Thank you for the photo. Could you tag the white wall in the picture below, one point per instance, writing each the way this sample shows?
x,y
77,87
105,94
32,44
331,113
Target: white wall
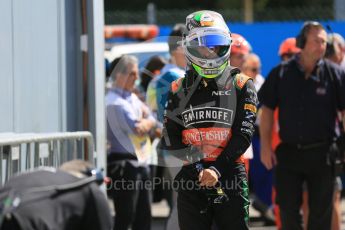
x,y
41,68
6,67
30,66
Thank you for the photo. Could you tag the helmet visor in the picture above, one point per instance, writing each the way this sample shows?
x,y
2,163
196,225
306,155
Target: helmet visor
x,y
209,46
208,53
210,41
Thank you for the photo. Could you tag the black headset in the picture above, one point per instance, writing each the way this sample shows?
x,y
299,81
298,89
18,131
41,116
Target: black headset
x,y
301,38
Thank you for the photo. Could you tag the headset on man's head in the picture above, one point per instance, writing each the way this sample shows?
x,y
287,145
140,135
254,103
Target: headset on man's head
x,y
301,38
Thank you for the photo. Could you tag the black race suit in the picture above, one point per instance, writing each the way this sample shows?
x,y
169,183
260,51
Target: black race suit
x,y
209,123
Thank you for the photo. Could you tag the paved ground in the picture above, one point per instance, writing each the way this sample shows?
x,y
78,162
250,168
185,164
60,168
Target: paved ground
x,y
160,211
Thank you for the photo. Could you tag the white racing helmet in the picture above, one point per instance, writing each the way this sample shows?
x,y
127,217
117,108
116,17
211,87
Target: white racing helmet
x,y
207,44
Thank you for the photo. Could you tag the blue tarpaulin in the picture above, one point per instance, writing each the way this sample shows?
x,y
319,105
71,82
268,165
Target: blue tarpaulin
x,y
265,37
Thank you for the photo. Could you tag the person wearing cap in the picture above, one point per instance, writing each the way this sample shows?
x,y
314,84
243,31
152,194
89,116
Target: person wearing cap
x,y
49,198
208,124
240,48
288,48
260,178
302,88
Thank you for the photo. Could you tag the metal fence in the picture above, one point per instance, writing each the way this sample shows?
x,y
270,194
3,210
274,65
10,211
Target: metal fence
x,y
22,152
170,17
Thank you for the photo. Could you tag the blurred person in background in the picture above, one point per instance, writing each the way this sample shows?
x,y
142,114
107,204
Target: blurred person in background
x,y
47,198
302,89
172,71
151,70
260,179
252,68
240,48
156,98
287,49
335,53
336,49
149,73
129,122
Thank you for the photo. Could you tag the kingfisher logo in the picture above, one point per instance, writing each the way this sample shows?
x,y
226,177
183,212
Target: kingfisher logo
x,y
206,135
221,93
207,114
210,141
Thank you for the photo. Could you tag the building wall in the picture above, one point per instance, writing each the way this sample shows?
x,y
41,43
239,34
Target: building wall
x,y
41,68
38,66
6,66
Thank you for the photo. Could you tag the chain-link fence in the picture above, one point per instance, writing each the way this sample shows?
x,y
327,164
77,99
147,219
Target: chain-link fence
x,y
170,17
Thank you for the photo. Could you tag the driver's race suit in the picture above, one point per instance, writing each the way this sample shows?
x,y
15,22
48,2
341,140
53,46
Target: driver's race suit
x,y
209,123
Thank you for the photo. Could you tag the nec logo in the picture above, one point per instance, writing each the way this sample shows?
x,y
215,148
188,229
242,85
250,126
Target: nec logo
x,y
221,93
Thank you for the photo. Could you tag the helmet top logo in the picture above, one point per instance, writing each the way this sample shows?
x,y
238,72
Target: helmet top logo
x,y
206,20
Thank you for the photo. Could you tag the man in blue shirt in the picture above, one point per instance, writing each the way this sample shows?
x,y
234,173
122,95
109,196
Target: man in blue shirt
x,y
129,122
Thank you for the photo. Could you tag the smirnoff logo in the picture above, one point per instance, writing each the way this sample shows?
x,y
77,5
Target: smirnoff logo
x,y
207,114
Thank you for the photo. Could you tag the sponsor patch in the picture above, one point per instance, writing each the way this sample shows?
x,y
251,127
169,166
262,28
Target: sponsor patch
x,y
250,107
252,97
221,93
207,114
321,91
249,115
248,131
247,124
214,135
176,85
206,20
250,100
241,80
210,141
